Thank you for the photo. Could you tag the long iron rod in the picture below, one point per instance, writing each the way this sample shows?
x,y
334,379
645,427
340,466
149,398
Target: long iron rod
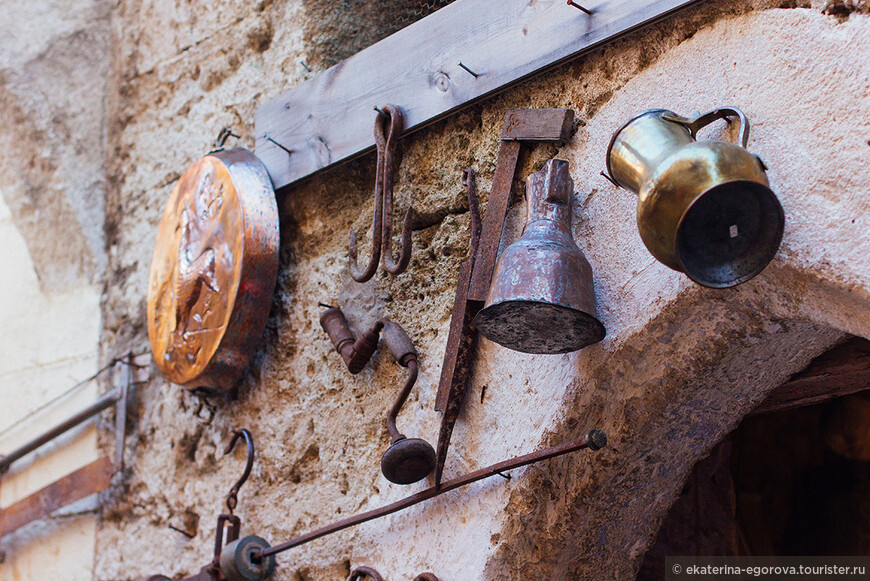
x,y
105,402
594,439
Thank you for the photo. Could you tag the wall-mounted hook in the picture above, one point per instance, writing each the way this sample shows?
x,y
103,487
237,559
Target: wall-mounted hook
x,y
361,573
204,405
232,497
222,137
467,70
388,129
578,7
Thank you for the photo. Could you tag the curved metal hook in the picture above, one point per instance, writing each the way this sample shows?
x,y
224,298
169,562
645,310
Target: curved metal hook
x,y
363,572
204,404
389,168
378,218
232,497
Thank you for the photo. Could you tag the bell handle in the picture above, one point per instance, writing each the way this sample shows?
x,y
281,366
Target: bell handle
x,y
726,113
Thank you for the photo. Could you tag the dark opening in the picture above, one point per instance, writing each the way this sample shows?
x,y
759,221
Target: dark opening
x,y
790,482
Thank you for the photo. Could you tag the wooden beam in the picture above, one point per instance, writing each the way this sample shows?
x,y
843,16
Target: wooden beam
x,y
843,370
95,477
329,118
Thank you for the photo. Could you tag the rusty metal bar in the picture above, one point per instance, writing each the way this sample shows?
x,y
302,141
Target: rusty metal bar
x,y
475,275
117,396
95,477
595,440
103,403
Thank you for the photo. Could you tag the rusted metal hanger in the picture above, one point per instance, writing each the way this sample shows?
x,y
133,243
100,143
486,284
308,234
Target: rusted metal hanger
x,y
361,573
232,497
388,129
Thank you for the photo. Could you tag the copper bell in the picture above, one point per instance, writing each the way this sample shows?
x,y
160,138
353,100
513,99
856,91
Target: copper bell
x,y
541,299
704,208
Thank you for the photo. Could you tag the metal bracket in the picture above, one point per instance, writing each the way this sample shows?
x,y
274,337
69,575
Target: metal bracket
x,y
475,275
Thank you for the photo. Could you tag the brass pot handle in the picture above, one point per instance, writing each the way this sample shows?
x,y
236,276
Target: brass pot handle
x,y
726,113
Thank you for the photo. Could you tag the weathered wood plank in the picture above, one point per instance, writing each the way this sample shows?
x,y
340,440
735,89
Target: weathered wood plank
x,y
329,118
95,477
840,371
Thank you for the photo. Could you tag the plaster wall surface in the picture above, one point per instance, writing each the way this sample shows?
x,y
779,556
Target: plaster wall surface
x,y
54,62
678,369
49,341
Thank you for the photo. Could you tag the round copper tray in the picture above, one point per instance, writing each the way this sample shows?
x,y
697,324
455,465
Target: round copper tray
x,y
214,270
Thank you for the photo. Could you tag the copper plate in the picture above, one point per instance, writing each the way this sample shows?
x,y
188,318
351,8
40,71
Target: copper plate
x,y
214,270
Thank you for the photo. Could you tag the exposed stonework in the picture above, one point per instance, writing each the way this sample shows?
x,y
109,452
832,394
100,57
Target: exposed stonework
x,y
334,31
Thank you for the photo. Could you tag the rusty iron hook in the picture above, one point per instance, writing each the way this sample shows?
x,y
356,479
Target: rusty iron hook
x,y
232,497
390,162
204,404
363,572
387,130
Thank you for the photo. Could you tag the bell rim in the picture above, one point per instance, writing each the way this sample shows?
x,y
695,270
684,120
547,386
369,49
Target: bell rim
x,y
599,331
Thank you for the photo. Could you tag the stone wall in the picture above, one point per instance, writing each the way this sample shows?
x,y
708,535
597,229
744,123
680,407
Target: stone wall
x,y
680,365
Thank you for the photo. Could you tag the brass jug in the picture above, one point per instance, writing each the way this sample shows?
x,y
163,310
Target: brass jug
x,y
541,299
705,208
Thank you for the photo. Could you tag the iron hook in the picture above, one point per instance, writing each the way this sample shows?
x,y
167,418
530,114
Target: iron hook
x,y
389,167
204,404
363,572
232,497
225,133
377,220
387,130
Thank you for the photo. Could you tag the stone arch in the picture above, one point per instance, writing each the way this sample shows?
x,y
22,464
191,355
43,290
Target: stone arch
x,y
682,364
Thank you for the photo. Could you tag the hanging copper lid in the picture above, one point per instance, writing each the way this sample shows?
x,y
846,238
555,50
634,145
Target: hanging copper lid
x,y
214,270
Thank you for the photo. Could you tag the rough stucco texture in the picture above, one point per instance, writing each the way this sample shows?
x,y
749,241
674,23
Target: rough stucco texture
x,y
54,70
679,367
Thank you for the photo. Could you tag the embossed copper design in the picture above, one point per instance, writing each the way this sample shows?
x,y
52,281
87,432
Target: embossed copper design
x,y
214,270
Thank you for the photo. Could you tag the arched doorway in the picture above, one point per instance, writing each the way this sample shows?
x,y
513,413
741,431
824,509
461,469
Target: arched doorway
x,y
792,479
